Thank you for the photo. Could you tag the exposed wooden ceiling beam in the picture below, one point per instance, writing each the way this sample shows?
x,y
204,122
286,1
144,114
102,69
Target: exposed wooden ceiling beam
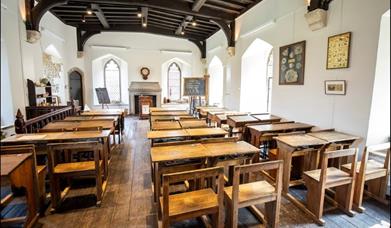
x,y
100,15
197,5
174,6
182,26
144,16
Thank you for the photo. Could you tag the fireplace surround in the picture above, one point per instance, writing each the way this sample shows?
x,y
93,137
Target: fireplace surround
x,y
145,89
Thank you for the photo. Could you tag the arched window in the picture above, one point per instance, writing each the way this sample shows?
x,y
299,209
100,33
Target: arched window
x,y
174,77
269,78
112,80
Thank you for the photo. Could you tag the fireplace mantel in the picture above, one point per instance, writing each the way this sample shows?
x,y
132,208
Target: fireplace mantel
x,y
144,88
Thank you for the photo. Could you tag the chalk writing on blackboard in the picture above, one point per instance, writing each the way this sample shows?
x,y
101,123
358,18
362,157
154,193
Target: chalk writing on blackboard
x,y
103,95
194,87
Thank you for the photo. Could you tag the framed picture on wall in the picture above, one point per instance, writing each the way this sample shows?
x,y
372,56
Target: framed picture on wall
x,y
338,51
292,63
335,87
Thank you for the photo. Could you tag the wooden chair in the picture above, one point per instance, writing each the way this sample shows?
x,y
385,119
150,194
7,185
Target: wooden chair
x,y
317,181
257,192
373,174
59,170
203,201
40,169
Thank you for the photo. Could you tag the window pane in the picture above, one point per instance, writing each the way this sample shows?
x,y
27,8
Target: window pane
x,y
174,82
112,81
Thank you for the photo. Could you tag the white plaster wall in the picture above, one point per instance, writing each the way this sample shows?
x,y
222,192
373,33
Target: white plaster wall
x,y
379,122
144,51
25,59
308,103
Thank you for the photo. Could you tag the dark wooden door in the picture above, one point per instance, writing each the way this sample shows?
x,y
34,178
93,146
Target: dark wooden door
x,y
76,87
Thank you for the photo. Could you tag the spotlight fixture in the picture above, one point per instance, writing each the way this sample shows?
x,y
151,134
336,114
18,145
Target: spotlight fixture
x,y
139,14
89,11
183,33
194,22
144,24
83,19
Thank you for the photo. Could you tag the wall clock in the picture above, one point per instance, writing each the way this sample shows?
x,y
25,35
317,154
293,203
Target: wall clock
x,y
145,72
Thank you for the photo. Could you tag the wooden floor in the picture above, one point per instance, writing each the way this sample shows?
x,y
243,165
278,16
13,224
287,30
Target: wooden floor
x,y
128,199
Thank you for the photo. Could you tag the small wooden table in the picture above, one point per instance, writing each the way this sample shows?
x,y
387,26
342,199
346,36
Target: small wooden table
x,y
289,144
120,113
166,109
45,138
335,136
165,125
193,124
220,118
240,121
19,170
267,117
203,112
185,133
256,131
170,113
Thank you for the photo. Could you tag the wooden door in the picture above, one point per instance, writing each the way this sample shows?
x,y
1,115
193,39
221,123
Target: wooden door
x,y
76,87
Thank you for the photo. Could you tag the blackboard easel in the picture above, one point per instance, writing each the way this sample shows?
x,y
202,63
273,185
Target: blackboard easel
x,y
103,97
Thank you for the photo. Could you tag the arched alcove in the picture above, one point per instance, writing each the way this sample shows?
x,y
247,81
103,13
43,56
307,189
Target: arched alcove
x,y
256,83
111,72
216,81
54,71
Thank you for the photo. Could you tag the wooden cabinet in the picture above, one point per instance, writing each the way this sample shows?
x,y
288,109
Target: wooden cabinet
x,y
40,95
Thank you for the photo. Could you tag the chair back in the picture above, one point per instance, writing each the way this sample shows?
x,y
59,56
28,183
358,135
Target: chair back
x,y
51,130
326,155
376,150
99,128
258,168
201,176
94,146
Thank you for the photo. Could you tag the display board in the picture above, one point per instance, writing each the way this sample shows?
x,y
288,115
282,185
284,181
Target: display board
x,y
194,87
103,96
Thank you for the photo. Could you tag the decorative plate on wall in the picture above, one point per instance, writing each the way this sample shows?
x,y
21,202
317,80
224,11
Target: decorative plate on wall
x,y
292,61
145,72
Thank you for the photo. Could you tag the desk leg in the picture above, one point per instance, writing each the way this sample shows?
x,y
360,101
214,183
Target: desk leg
x,y
285,154
106,151
231,129
156,184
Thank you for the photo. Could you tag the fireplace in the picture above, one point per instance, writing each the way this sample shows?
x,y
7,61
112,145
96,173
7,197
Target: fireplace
x,y
137,89
136,102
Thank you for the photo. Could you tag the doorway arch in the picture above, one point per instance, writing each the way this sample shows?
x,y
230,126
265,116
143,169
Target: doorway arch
x,y
255,90
75,76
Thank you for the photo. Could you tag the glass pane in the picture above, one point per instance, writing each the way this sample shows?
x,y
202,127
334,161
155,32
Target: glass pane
x,y
112,81
174,82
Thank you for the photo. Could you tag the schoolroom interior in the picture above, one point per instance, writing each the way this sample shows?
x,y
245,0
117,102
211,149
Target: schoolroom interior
x,y
195,113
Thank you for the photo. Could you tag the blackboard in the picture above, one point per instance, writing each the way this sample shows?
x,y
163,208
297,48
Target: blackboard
x,y
194,87
103,96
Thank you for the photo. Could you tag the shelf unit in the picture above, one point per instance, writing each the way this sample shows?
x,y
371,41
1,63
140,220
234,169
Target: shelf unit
x,y
39,94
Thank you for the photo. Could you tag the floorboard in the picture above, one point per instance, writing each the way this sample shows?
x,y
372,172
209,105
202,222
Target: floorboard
x,y
128,201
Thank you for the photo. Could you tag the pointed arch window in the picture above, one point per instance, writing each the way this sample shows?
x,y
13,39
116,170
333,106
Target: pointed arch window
x,y
174,79
112,80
